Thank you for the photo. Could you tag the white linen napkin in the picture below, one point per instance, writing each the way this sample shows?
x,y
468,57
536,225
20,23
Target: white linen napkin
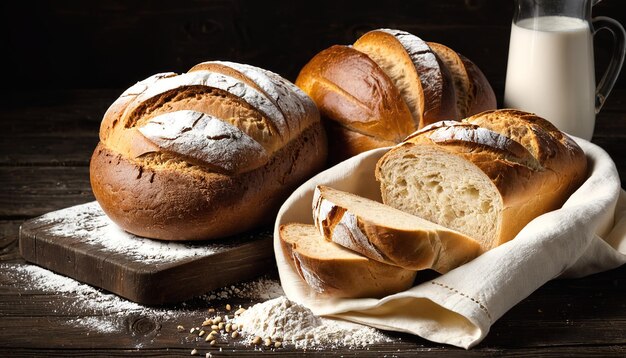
x,y
587,235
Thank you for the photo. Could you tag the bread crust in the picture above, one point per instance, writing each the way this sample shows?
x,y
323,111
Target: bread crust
x,y
421,247
348,87
345,143
343,277
482,97
474,93
174,201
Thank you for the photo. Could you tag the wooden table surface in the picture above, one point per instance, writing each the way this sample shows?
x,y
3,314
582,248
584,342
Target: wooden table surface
x,y
45,145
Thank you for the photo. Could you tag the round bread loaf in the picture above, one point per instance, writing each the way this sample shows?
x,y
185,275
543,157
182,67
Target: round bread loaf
x,y
205,154
387,85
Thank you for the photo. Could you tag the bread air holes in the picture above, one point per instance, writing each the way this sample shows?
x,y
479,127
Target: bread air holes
x,y
486,207
470,192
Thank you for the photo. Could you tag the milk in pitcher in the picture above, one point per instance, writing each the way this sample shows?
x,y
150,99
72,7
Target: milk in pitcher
x,y
550,71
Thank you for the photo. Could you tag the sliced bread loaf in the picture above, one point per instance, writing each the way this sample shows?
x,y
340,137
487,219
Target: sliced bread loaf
x,y
333,270
389,235
487,176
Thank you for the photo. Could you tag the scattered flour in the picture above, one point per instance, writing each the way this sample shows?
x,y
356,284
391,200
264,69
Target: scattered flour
x,y
111,310
298,326
261,289
278,317
100,324
88,224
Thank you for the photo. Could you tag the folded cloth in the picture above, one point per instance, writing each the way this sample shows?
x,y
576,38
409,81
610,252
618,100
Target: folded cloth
x,y
587,235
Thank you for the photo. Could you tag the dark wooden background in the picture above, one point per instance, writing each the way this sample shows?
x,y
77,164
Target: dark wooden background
x,y
114,43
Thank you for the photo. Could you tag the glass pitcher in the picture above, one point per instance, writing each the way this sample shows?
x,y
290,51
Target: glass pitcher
x,y
550,67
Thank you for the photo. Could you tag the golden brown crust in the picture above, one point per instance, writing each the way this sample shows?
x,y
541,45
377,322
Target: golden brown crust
x,y
374,235
344,276
460,79
348,87
481,95
169,200
473,91
386,86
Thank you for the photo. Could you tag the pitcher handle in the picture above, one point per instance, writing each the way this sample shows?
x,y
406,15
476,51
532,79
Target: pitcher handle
x,y
617,58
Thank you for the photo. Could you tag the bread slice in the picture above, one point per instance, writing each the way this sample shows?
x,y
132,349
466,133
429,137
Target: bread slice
x,y
486,177
473,92
332,270
389,235
424,82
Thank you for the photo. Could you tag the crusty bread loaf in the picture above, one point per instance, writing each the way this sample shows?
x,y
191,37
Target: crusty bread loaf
x,y
205,154
389,235
387,85
332,270
487,176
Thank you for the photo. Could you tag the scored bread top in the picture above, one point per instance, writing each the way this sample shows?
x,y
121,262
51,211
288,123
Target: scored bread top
x,y
555,151
251,109
428,82
355,92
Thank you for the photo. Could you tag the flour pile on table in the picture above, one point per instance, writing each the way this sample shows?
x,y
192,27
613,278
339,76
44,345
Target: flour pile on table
x,y
296,325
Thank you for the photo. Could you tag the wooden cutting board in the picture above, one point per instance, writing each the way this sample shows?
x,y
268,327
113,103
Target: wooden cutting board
x,y
81,242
